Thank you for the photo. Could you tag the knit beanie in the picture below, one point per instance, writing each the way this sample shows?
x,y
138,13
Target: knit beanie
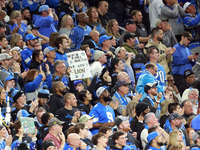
x,y
44,92
15,94
140,107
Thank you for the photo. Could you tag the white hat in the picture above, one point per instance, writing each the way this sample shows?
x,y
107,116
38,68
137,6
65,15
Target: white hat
x,y
100,90
186,5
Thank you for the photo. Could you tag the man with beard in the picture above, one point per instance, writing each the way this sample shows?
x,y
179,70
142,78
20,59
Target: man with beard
x,y
123,124
154,141
50,55
150,99
165,53
102,112
26,16
122,88
69,113
77,34
182,59
26,54
56,100
137,123
175,123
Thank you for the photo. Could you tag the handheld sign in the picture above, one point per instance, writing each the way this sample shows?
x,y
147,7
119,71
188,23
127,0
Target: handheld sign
x,y
79,65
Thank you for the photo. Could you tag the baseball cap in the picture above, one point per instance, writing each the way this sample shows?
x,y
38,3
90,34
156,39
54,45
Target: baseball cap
x,y
43,8
160,20
103,38
100,90
10,78
130,21
85,118
120,83
128,36
148,86
174,116
152,136
120,119
98,54
185,6
48,49
195,136
22,113
30,37
31,27
4,56
187,73
54,121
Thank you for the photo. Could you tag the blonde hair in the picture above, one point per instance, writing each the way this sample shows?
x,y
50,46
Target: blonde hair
x,y
109,26
14,39
130,108
15,50
164,107
173,136
14,15
64,21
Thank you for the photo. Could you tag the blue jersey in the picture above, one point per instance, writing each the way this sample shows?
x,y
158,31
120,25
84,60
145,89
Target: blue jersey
x,y
31,4
102,114
77,35
160,76
26,56
195,123
62,57
22,29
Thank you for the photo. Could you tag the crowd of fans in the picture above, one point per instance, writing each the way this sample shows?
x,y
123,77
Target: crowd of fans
x,y
144,61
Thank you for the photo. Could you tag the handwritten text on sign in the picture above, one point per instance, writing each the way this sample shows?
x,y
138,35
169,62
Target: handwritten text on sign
x,y
79,65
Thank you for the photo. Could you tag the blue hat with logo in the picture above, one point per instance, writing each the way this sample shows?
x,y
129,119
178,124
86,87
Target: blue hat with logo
x,y
22,113
48,49
10,78
103,38
30,37
43,8
152,136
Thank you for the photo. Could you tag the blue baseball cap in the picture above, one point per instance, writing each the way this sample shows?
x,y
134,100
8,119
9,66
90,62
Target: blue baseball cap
x,y
22,113
152,136
43,8
30,37
103,38
77,82
10,78
48,49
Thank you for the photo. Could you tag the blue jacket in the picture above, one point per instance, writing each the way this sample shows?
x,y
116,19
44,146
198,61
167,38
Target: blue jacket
x,y
16,4
26,56
180,61
145,78
31,4
195,123
32,86
21,31
46,24
52,3
77,34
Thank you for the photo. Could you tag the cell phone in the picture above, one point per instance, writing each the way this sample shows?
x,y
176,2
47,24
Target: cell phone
x,y
196,53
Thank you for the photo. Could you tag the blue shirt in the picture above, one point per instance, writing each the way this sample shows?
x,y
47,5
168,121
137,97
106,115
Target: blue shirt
x,y
77,34
195,123
102,114
180,61
22,29
26,56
